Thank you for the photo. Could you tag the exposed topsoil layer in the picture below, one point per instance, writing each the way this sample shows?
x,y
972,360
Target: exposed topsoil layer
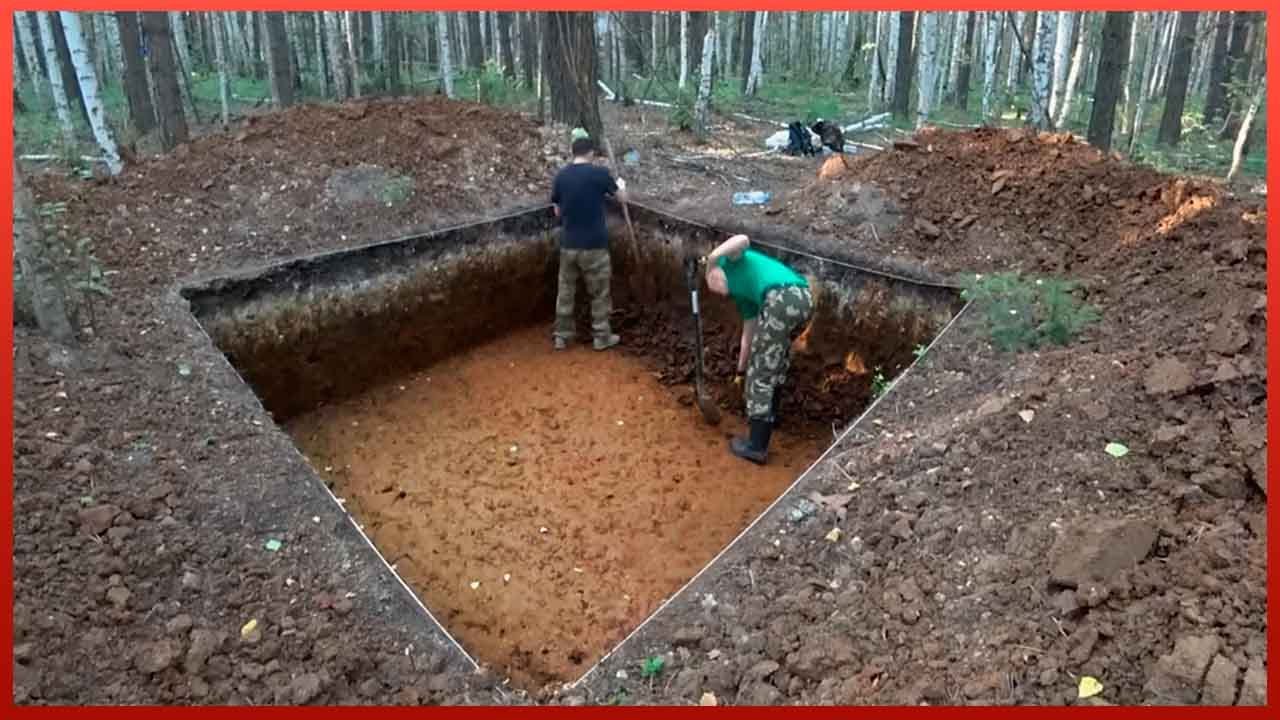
x,y
139,524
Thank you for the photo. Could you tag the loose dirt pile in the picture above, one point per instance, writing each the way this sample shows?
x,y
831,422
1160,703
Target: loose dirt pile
x,y
992,552
982,557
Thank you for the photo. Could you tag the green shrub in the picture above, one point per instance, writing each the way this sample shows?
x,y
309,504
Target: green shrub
x,y
1024,314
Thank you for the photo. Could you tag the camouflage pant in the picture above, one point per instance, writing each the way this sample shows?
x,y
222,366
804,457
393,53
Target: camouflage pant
x,y
595,268
784,310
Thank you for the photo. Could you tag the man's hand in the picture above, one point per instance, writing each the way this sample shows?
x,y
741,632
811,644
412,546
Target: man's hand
x,y
737,380
622,184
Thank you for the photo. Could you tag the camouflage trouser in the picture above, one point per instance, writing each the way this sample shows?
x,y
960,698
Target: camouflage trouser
x,y
784,310
595,268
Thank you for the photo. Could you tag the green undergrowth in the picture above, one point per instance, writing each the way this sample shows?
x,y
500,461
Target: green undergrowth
x,y
1024,314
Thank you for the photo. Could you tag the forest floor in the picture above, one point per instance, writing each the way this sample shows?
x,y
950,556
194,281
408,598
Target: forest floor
x,y
991,551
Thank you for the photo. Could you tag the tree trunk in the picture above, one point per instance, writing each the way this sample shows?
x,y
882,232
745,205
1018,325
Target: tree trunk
x,y
757,69
573,70
1042,71
1179,73
138,95
26,38
1239,65
446,53
653,53
1140,96
747,48
353,54
333,41
684,48
990,51
877,61
1028,33
164,72
1061,62
224,83
1242,136
966,62
280,74
901,102
1163,49
504,40
928,67
75,102
702,107
1073,75
528,44
392,41
475,44
1015,45
321,66
1126,118
88,80
179,25
54,73
1116,34
35,256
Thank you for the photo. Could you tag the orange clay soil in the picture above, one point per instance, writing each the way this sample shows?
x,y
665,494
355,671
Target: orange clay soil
x,y
542,504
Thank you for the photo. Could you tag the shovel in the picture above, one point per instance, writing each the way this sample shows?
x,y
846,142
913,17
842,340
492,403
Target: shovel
x,y
626,214
706,404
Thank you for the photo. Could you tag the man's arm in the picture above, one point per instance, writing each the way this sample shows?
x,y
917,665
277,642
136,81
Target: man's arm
x,y
731,248
744,350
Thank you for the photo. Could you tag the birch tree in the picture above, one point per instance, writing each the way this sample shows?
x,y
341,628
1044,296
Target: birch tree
x,y
753,78
88,79
1015,50
353,53
1242,136
333,40
1042,70
990,52
956,54
1061,61
26,39
1126,91
928,66
1140,97
1117,32
1073,77
446,55
702,107
54,74
224,83
684,48
876,61
1179,76
891,54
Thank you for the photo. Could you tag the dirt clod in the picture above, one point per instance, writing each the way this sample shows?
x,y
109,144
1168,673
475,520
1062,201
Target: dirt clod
x,y
1178,676
1096,551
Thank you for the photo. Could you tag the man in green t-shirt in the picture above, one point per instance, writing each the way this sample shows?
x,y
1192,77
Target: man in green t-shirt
x,y
773,301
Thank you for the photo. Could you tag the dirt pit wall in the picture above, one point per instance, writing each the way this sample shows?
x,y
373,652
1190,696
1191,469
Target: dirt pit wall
x,y
319,329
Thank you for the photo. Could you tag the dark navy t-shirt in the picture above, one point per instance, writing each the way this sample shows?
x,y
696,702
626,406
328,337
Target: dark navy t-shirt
x,y
579,190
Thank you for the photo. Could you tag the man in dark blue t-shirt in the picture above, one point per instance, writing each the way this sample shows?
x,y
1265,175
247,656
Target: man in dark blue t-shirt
x,y
578,193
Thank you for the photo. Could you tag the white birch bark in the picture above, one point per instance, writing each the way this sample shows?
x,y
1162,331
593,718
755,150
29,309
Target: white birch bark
x,y
1061,60
1015,50
54,76
1161,55
653,51
88,81
957,52
891,57
179,28
1237,153
318,22
1073,77
1042,69
446,58
928,59
990,51
1126,94
875,60
753,77
353,53
378,41
702,107
333,39
27,39
684,49
224,81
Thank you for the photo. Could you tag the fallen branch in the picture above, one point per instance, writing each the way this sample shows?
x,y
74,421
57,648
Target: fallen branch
x,y
745,116
611,94
872,123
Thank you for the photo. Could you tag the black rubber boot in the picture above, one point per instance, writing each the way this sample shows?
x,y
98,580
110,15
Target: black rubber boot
x,y
775,415
756,447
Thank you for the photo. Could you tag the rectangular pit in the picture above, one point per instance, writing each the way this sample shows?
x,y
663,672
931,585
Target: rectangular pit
x,y
543,504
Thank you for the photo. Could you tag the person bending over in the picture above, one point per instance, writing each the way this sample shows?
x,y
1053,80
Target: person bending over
x,y
773,301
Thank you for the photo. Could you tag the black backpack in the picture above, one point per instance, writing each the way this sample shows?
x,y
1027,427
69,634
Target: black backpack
x,y
800,142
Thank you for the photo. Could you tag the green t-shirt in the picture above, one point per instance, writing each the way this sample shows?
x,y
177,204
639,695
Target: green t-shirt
x,y
754,274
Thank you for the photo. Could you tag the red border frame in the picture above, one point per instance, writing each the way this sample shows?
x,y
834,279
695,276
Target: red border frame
x,y
6,332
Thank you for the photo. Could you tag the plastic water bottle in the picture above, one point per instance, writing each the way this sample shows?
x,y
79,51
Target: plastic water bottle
x,y
755,197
